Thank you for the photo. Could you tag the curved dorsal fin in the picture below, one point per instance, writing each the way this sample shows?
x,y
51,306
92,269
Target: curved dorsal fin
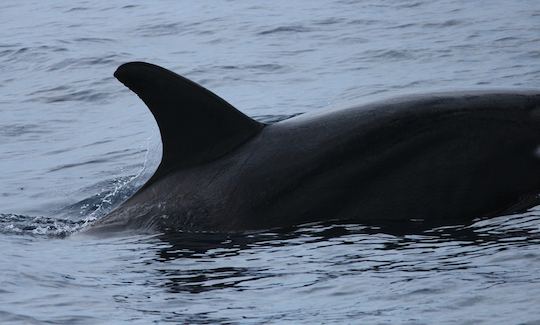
x,y
196,125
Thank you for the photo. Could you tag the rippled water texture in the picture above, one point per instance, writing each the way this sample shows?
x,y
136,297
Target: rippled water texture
x,y
74,143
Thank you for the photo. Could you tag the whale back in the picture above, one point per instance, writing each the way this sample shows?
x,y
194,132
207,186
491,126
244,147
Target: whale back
x,y
196,126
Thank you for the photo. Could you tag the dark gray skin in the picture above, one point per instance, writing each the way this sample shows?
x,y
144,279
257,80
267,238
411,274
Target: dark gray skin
x,y
444,158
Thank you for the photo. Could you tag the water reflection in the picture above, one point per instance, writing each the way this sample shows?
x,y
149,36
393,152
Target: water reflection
x,y
305,256
190,260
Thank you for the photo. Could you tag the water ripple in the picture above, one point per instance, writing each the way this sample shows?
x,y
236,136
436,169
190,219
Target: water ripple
x,y
444,24
74,9
285,29
81,62
16,130
93,40
92,96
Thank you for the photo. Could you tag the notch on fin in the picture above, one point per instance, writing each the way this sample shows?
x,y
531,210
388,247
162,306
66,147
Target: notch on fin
x,y
196,125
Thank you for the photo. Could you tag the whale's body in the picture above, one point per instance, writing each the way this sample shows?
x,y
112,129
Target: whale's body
x,y
441,157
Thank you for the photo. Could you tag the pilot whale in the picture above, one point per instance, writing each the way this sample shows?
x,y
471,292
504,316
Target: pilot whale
x,y
442,157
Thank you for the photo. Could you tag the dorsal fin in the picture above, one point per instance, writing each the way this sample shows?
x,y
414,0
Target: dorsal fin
x,y
196,125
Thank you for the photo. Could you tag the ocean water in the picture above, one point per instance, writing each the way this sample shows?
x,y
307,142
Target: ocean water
x,y
74,143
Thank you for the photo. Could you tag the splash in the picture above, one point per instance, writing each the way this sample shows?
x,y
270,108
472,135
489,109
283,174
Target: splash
x,y
74,217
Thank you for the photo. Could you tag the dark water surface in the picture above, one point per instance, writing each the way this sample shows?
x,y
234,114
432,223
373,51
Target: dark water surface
x,y
74,143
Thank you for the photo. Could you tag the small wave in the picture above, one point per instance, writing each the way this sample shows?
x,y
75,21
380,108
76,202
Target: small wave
x,y
15,130
79,63
74,9
389,54
285,29
96,143
6,52
266,67
48,90
507,39
411,5
88,162
402,26
329,21
176,28
9,45
448,23
533,54
93,40
66,93
12,318
77,96
37,226
363,22
270,119
160,29
31,54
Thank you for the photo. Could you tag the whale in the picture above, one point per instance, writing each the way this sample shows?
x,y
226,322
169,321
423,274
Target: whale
x,y
442,157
